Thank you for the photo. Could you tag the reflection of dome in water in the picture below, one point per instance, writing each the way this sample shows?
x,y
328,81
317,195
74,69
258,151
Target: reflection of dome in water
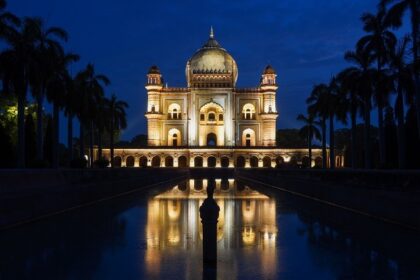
x,y
213,59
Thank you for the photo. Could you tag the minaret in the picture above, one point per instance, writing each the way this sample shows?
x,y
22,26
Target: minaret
x,y
269,115
154,113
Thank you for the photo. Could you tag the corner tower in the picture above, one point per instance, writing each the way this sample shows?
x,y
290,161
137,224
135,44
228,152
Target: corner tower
x,y
154,113
269,114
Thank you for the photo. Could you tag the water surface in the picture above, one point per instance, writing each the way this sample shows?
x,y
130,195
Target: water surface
x,y
262,234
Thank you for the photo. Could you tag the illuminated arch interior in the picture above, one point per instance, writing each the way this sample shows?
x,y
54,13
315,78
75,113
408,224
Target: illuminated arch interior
x,y
248,137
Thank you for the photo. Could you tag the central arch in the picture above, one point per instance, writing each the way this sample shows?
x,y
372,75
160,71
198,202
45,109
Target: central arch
x,y
211,130
211,139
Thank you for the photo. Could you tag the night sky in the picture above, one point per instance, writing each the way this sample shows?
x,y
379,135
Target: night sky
x,y
303,40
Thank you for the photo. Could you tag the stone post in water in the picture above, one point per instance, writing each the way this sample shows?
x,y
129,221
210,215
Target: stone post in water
x,y
209,213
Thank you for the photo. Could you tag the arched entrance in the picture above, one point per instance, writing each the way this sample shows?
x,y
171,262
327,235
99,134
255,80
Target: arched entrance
x,y
156,161
129,162
267,161
254,161
198,162
211,139
169,161
248,137
143,161
182,161
211,162
224,162
174,137
240,161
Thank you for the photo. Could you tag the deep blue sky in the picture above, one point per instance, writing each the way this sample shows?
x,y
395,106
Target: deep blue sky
x,y
304,41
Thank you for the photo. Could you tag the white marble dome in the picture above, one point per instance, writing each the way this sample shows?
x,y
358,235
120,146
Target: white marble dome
x,y
212,58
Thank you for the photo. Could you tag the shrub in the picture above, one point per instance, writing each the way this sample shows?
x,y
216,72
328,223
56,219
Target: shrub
x,y
39,163
78,163
101,163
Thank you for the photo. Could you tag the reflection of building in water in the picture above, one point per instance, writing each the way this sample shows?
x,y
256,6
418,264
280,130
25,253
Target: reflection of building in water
x,y
247,219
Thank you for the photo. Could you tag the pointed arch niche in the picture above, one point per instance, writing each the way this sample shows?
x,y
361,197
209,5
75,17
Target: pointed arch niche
x,y
211,123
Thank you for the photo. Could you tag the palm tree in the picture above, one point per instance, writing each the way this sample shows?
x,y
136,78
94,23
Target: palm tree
x,y
318,103
56,94
8,21
116,110
91,91
337,109
47,49
378,42
18,58
309,131
70,110
403,78
349,82
395,16
101,118
362,76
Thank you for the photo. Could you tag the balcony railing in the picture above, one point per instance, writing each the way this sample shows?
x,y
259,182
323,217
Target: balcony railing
x,y
174,116
248,117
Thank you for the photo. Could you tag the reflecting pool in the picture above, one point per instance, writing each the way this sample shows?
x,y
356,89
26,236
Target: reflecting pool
x,y
262,234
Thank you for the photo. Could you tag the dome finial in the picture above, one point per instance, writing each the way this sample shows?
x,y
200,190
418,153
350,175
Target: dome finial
x,y
211,32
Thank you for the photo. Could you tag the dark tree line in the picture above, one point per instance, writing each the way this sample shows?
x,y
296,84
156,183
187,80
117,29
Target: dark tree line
x,y
383,75
34,64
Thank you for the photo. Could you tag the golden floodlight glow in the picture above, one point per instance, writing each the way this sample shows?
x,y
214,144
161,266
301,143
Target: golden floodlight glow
x,y
212,118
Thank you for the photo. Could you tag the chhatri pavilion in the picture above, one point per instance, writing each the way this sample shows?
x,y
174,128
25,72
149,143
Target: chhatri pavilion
x,y
211,122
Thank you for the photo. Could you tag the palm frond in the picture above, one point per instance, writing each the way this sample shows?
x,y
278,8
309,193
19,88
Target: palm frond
x,y
395,14
57,32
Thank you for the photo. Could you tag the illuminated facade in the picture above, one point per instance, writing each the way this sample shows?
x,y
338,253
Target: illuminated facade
x,y
211,122
211,110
